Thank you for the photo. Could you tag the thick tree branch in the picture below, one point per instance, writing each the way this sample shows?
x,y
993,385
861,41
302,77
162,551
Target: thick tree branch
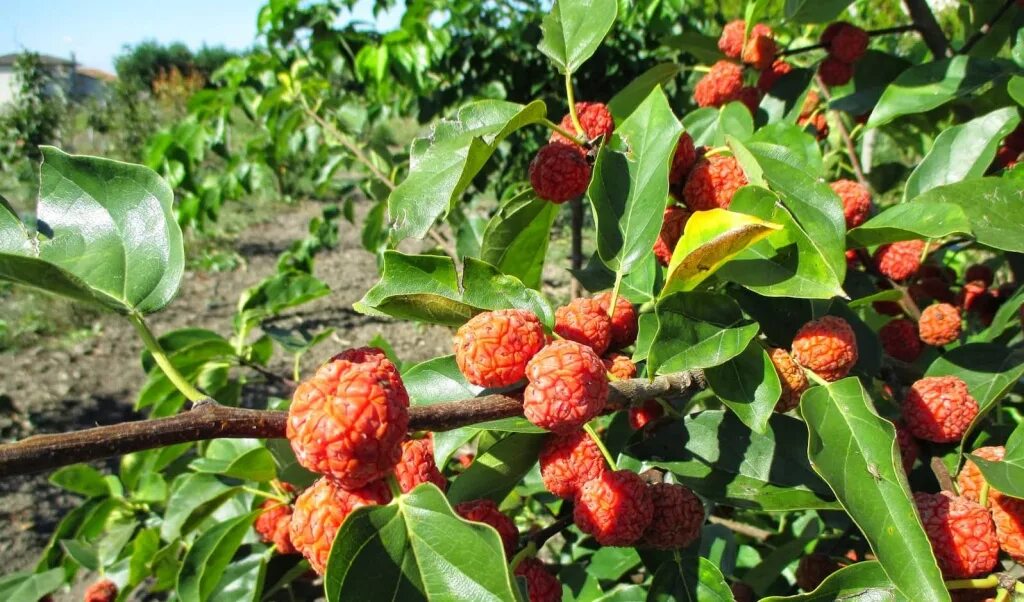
x,y
926,23
210,420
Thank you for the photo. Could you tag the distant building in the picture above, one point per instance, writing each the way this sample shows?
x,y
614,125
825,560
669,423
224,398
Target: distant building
x,y
77,82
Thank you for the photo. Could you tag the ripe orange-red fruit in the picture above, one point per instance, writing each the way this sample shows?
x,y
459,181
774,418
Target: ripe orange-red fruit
x,y
583,321
541,585
759,52
856,201
683,159
417,466
827,347
486,511
899,339
818,122
772,74
909,449
619,366
845,42
961,532
672,225
103,590
813,569
970,480
750,96
595,118
624,320
971,295
273,523
348,422
713,182
939,324
568,387
791,376
568,461
492,349
939,409
678,517
835,72
319,512
731,40
615,508
899,260
1008,516
368,357
645,413
720,85
559,172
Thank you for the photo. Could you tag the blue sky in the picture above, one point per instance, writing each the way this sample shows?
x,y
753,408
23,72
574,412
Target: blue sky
x,y
96,30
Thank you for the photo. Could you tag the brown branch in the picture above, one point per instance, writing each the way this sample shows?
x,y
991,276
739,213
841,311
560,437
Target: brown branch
x,y
211,420
986,27
755,533
929,27
942,475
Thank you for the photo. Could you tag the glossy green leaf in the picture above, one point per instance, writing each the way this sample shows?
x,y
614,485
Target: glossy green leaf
x,y
855,451
796,139
692,578
193,496
633,95
993,207
1007,317
80,478
574,29
962,152
1015,87
426,288
245,459
417,548
872,74
630,183
858,582
26,585
205,562
702,47
709,126
515,240
496,471
697,330
107,235
444,163
1007,476
907,222
280,292
143,552
720,458
610,563
82,553
748,384
637,285
814,11
242,580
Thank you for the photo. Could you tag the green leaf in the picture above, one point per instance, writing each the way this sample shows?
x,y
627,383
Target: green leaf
x,y
609,563
718,456
855,451
278,293
697,330
814,11
426,288
107,235
144,549
82,553
417,548
1007,476
515,240
1015,87
993,207
748,384
26,585
962,152
907,222
444,163
1007,316
496,471
796,139
929,85
245,459
689,579
630,183
860,581
80,478
188,346
574,29
637,285
701,47
193,497
709,126
629,98
242,580
204,564
871,76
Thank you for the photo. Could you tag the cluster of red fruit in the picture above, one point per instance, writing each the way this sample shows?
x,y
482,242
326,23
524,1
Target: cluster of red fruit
x,y
561,169
846,44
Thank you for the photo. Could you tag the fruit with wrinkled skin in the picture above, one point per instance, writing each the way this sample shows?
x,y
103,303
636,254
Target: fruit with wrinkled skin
x,y
568,461
595,118
731,40
624,319
568,387
899,260
645,413
791,376
939,324
834,72
541,585
619,366
961,532
672,226
909,449
750,96
759,52
273,523
899,339
720,85
939,409
1008,517
492,348
103,590
813,569
319,512
683,159
845,42
583,321
615,508
970,295
772,74
713,182
818,122
417,466
348,422
970,480
856,201
486,511
827,347
559,172
678,517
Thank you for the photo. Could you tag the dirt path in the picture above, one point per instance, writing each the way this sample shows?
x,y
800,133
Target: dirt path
x,y
45,389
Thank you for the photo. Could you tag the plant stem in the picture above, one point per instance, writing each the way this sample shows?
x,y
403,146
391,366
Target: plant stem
x,y
554,127
265,494
529,550
817,379
600,445
571,97
983,583
392,481
983,494
615,295
180,382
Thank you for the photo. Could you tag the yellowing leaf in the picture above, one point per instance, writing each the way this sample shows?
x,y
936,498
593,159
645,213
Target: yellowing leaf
x,y
710,239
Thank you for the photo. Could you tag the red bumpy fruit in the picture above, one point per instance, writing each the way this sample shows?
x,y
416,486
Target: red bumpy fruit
x,y
791,376
672,225
813,569
417,466
845,42
970,480
568,461
103,590
319,512
560,172
1007,512
961,533
939,409
595,118
731,40
909,450
899,260
348,422
899,339
750,96
939,324
856,201
568,387
678,516
583,321
540,584
645,413
682,160
273,523
615,508
619,366
624,320
835,72
827,347
492,349
759,52
720,85
772,74
713,182
486,512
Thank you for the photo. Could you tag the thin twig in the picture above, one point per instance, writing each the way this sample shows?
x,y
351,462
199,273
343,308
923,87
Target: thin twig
x,y
851,149
342,139
986,27
871,33
942,475
541,537
755,533
284,380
